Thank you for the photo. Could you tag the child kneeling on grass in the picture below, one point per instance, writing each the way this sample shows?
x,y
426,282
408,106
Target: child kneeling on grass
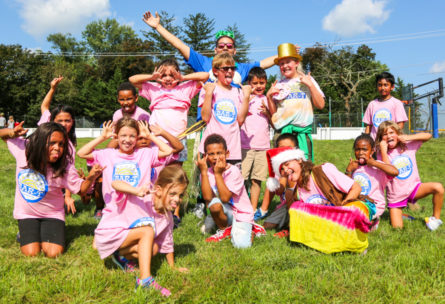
x,y
223,190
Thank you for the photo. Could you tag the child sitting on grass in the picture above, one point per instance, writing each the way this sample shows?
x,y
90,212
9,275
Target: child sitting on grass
x,y
223,190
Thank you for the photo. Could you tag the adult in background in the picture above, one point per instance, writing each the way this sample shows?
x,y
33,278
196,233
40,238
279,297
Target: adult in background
x,y
2,120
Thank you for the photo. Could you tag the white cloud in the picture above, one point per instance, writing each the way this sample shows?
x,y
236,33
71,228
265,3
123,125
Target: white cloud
x,y
352,17
438,67
42,17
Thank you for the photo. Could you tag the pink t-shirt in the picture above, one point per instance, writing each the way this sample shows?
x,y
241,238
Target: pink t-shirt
x,y
36,195
255,130
138,114
46,117
240,202
380,111
161,165
400,187
315,196
131,168
169,107
373,182
225,107
126,212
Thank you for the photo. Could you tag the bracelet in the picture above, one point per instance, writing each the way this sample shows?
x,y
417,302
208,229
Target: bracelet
x,y
348,172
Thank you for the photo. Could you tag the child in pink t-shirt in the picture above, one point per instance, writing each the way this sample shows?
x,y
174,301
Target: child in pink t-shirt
x,y
127,97
400,150
224,108
43,169
132,166
255,137
372,175
223,190
64,115
386,107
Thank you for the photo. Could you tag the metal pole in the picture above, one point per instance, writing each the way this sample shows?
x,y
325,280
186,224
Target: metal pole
x,y
435,121
361,102
330,117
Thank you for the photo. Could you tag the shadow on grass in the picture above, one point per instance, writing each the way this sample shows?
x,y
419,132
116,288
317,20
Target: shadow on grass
x,y
74,231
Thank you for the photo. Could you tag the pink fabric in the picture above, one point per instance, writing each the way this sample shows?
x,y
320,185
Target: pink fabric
x,y
161,165
409,199
314,195
240,202
373,182
255,130
138,114
169,108
380,111
164,231
400,187
132,168
225,107
46,117
38,196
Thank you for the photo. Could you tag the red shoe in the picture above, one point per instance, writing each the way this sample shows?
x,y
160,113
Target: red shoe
x,y
281,234
220,235
258,230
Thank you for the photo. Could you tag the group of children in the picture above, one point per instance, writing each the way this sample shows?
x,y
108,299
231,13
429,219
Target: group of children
x,y
142,180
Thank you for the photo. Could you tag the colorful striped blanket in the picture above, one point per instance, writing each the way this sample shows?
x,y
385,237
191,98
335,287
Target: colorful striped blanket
x,y
331,229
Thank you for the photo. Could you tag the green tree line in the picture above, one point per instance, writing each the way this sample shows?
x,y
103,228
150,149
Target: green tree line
x,y
108,53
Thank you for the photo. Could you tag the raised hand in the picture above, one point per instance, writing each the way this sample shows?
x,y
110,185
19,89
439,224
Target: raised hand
x,y
305,79
247,89
150,20
220,165
157,73
107,129
143,190
95,171
18,130
156,130
143,129
352,166
56,81
178,76
81,173
273,89
384,146
209,87
201,163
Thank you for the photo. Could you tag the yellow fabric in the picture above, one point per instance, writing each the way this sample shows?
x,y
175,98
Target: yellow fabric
x,y
323,235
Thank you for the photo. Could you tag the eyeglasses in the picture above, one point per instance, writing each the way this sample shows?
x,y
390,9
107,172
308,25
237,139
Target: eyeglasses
x,y
227,68
229,46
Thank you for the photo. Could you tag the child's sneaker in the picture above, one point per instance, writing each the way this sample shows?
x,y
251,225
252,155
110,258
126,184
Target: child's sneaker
x,y
432,223
258,230
98,214
260,214
282,234
123,263
151,283
220,235
198,211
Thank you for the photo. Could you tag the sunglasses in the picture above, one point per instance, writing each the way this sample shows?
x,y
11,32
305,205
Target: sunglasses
x,y
229,46
227,68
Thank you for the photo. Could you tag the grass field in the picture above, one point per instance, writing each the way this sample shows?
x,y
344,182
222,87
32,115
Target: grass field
x,y
405,266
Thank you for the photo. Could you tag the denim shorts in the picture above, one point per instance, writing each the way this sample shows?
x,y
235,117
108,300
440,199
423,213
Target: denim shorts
x,y
210,223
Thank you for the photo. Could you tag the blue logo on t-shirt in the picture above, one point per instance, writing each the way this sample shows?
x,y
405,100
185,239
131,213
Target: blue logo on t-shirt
x,y
32,185
143,221
297,95
363,180
405,166
380,116
225,111
317,199
128,172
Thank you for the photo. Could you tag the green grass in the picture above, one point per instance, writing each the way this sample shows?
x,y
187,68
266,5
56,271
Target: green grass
x,y
400,267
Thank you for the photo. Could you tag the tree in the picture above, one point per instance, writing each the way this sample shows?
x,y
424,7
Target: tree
x,y
242,46
198,33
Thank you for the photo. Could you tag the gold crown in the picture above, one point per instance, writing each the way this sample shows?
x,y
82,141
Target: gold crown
x,y
286,50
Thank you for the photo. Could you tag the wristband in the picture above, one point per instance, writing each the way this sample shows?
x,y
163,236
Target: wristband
x,y
348,172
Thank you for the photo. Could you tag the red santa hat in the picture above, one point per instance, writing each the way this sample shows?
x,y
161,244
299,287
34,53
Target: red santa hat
x,y
275,158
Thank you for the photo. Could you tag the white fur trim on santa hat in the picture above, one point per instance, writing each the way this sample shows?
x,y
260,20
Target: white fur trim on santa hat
x,y
283,157
272,184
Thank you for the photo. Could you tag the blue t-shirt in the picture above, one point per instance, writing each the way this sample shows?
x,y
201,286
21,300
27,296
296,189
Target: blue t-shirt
x,y
201,63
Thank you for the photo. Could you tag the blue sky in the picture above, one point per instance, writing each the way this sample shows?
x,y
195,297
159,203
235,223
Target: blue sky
x,y
407,35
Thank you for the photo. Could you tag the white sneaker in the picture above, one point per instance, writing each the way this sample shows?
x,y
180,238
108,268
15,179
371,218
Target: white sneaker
x,y
433,223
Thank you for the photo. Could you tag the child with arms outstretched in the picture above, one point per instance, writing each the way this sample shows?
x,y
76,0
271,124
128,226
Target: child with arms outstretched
x,y
400,150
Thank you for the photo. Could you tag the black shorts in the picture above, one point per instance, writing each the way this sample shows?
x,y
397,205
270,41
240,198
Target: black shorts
x,y
39,230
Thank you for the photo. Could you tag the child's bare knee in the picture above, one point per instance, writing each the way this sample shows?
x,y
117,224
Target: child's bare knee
x,y
52,251
30,250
